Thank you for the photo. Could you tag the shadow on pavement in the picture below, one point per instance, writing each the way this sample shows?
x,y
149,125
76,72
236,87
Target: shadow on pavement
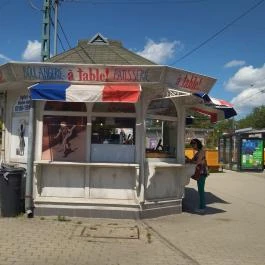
x,y
191,200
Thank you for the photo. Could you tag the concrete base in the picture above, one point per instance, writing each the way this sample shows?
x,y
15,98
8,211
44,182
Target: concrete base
x,y
108,209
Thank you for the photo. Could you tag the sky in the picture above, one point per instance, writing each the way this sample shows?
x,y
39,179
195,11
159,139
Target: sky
x,y
222,39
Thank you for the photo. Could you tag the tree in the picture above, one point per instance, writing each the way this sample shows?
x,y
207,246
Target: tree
x,y
256,119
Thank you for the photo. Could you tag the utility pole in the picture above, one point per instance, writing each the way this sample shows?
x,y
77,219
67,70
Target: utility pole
x,y
56,3
45,45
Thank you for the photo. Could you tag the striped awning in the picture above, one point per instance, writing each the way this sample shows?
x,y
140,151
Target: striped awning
x,y
129,93
216,109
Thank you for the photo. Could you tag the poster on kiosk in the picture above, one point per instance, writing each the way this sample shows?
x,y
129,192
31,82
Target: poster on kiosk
x,y
251,155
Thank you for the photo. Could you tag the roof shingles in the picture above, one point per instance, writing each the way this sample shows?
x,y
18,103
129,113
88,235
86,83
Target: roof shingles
x,y
110,52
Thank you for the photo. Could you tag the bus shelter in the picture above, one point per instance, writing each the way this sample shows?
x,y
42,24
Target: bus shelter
x,y
242,150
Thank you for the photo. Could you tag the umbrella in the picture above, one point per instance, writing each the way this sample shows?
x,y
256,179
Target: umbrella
x,y
217,109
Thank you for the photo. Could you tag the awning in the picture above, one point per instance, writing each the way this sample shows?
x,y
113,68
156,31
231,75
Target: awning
x,y
217,109
86,93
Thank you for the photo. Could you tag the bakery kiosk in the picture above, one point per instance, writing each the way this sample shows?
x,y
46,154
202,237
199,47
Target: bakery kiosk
x,y
99,140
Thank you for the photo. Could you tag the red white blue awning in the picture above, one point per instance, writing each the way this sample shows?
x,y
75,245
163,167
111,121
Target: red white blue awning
x,y
129,93
216,109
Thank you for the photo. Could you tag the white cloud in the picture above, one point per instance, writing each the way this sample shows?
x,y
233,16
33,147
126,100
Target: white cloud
x,y
4,58
160,52
246,77
234,63
248,99
249,84
32,52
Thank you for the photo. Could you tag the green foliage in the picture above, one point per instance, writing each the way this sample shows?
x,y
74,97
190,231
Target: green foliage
x,y
256,119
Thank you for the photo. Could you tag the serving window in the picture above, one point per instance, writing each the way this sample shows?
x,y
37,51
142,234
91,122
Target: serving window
x,y
161,129
113,132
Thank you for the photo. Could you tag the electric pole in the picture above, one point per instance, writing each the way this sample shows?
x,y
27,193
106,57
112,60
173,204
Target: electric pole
x,y
56,3
45,44
46,28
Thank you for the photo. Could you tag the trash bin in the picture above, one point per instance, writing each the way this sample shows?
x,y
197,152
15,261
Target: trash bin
x,y
11,190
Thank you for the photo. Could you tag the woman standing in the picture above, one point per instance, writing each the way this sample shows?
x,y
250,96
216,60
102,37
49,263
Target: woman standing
x,y
201,172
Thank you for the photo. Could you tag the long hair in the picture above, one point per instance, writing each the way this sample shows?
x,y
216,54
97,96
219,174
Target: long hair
x,y
198,142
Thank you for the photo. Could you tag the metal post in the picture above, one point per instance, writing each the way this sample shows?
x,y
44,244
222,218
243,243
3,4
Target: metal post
x,y
45,46
3,113
30,162
56,2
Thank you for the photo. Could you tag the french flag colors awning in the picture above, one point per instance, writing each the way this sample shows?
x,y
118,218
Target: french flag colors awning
x,y
217,109
86,93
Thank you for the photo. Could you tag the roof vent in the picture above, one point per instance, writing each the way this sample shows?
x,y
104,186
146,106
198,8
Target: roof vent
x,y
98,39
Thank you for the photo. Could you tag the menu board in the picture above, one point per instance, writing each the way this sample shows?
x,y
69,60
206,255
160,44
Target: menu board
x,y
251,156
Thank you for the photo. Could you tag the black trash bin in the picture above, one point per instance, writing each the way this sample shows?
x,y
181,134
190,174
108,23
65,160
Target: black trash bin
x,y
11,190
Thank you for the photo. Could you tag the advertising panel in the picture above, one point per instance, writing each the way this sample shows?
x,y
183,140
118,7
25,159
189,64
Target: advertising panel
x,y
251,156
19,138
64,138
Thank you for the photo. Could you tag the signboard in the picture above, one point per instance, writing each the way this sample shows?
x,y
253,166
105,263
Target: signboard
x,y
22,104
85,74
251,155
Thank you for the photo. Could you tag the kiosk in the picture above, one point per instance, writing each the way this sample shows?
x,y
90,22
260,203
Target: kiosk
x,y
84,131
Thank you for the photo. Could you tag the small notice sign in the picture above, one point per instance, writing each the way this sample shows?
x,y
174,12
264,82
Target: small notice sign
x,y
22,104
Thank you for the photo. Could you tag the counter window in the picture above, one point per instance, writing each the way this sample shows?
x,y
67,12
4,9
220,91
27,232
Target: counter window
x,y
113,133
161,129
111,130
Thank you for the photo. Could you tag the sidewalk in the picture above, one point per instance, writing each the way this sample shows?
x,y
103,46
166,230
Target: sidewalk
x,y
230,233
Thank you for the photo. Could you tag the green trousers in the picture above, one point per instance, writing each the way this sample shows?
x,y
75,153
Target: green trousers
x,y
201,185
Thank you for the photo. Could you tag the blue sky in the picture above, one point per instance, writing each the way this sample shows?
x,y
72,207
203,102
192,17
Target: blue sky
x,y
164,31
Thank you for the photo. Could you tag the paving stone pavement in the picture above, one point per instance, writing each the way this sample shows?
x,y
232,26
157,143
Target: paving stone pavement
x,y
230,233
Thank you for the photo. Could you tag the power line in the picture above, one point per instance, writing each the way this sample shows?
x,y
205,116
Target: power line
x,y
261,91
33,6
220,31
136,1
52,22
64,34
66,38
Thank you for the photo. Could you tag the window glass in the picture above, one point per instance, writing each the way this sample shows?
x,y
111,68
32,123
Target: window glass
x,y
114,107
64,138
161,134
161,138
111,130
65,106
